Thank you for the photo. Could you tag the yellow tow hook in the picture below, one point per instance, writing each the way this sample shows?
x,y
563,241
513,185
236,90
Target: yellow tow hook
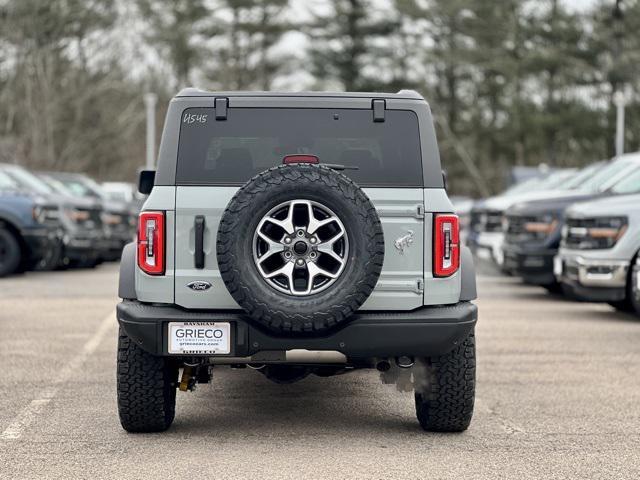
x,y
187,382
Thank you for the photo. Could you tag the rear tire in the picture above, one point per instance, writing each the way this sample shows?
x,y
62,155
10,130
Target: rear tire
x,y
10,253
277,308
445,389
146,387
554,288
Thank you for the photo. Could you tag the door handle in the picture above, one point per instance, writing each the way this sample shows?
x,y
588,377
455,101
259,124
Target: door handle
x,y
199,250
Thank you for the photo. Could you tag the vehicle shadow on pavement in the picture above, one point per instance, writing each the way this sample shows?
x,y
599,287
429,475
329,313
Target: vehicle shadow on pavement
x,y
320,405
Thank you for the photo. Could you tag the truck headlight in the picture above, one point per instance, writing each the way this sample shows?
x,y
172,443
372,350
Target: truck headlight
x,y
111,219
594,233
45,213
77,215
541,226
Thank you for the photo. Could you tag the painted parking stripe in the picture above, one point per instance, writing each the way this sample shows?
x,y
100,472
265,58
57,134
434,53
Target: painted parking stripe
x,y
30,413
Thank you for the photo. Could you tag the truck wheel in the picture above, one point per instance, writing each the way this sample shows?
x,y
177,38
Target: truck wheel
x,y
622,305
634,292
630,303
445,389
146,387
51,259
10,253
300,248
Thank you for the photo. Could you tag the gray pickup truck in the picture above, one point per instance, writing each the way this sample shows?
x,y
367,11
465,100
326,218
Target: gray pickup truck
x,y
296,234
597,260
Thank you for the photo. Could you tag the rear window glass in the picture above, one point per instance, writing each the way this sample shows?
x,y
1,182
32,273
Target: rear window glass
x,y
231,151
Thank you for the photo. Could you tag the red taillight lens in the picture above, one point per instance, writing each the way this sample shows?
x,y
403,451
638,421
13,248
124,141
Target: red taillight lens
x,y
289,159
446,246
151,243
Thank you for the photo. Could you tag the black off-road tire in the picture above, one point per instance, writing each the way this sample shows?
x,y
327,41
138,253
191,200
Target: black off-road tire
x,y
445,389
10,253
299,315
146,387
634,290
52,258
631,302
554,288
622,305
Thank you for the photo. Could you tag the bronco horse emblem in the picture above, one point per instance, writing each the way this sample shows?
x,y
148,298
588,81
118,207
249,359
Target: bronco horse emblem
x,y
404,241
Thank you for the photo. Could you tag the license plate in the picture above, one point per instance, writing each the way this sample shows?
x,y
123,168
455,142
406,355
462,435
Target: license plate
x,y
557,266
211,338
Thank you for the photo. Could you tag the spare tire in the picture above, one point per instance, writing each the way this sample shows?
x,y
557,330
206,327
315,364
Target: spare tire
x,y
300,248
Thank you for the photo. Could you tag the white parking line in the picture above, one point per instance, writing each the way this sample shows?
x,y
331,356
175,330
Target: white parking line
x,y
29,413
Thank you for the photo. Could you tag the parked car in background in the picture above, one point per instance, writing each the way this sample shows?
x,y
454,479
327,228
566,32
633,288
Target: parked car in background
x,y
486,235
83,239
533,230
124,192
462,207
587,183
598,257
119,220
29,227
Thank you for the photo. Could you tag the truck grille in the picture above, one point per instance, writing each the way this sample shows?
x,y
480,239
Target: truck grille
x,y
516,232
90,219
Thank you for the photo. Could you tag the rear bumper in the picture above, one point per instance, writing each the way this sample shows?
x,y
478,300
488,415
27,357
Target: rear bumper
x,y
425,332
533,266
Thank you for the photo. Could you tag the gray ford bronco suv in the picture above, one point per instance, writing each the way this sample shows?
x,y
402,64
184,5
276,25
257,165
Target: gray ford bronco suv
x,y
296,234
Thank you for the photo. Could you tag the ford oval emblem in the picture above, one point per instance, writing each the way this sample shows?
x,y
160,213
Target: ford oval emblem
x,y
199,285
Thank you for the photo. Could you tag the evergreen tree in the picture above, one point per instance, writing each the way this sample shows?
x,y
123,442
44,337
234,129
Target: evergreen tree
x,y
173,27
347,43
246,32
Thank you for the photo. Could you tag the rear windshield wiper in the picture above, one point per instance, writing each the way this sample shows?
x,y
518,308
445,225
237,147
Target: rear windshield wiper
x,y
336,166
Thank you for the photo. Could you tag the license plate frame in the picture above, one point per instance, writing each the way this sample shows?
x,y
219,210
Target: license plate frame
x,y
199,338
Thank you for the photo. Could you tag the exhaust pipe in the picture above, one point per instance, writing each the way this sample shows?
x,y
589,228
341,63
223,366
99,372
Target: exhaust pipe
x,y
405,362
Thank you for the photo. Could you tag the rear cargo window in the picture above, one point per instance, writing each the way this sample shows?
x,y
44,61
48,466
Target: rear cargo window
x,y
251,140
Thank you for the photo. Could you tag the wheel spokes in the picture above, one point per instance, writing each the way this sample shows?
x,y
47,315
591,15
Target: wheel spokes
x,y
286,224
314,224
291,251
273,247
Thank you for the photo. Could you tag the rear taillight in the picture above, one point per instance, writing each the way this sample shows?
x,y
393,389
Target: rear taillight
x,y
151,236
292,159
446,246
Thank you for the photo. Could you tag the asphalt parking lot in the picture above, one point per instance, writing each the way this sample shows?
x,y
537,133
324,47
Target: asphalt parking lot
x,y
558,397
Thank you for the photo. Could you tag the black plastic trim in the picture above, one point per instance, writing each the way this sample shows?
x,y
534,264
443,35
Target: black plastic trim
x,y
378,105
127,281
468,271
221,105
427,331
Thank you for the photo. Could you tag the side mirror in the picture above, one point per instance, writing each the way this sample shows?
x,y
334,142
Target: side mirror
x,y
444,180
146,180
